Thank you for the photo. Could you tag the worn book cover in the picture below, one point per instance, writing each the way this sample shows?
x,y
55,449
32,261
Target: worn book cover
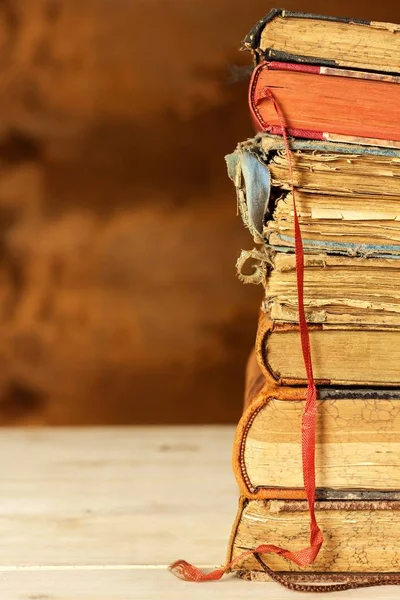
x,y
347,196
348,355
360,538
284,35
337,289
357,442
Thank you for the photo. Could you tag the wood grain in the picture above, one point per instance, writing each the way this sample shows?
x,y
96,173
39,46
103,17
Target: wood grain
x,y
98,514
115,496
149,584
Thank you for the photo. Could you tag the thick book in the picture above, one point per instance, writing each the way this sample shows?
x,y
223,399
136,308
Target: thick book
x,y
337,289
347,196
325,103
284,35
342,354
361,538
357,443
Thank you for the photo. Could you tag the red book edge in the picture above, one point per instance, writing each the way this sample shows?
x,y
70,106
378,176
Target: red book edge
x,y
258,121
261,125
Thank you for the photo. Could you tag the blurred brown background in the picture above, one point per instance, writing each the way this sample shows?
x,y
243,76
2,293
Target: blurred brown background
x,y
119,302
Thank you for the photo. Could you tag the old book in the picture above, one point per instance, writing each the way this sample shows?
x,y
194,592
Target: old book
x,y
337,289
360,537
326,103
332,41
342,354
357,442
348,197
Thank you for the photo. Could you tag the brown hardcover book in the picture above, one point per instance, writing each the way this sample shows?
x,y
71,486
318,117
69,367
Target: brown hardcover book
x,y
357,444
360,537
325,40
349,355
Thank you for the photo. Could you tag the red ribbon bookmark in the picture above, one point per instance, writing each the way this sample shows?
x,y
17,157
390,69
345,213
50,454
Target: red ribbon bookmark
x,y
306,556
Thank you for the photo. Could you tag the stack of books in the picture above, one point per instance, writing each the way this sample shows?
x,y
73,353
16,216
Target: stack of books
x,y
332,86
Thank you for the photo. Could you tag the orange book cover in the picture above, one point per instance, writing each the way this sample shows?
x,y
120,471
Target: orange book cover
x,y
325,103
356,442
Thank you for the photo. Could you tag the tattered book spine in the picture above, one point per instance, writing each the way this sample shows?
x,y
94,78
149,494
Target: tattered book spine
x,y
354,190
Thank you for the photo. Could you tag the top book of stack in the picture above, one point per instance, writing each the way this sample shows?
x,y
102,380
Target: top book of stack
x,y
314,39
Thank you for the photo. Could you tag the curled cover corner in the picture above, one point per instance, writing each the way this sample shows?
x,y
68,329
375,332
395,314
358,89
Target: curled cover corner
x,y
252,39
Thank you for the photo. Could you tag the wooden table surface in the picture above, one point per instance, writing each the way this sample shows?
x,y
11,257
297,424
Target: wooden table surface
x,y
99,513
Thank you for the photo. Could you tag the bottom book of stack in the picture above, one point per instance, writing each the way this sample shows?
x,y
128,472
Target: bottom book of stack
x,y
361,537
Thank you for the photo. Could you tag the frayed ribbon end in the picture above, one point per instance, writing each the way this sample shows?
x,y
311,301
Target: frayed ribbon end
x,y
187,572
